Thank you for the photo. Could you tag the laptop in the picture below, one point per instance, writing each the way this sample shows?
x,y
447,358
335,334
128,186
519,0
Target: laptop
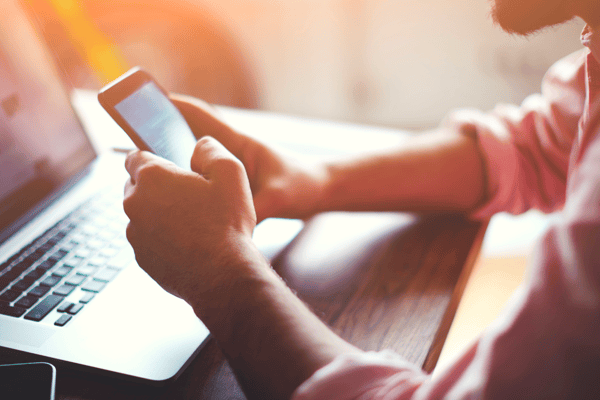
x,y
70,290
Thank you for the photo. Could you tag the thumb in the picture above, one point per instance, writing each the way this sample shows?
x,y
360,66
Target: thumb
x,y
266,205
213,161
204,120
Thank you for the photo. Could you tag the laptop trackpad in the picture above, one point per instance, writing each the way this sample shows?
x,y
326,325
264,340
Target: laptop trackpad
x,y
21,332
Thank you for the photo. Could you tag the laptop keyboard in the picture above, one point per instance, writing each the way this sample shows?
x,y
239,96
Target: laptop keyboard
x,y
68,265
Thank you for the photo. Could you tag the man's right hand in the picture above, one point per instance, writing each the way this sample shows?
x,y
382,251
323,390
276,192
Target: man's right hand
x,y
282,186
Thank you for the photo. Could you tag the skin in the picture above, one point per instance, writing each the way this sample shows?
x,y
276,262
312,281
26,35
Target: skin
x,y
530,16
197,243
526,17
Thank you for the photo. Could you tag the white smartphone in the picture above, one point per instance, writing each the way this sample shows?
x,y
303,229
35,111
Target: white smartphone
x,y
142,108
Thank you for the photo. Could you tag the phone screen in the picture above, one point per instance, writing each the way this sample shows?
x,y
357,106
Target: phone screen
x,y
33,381
159,124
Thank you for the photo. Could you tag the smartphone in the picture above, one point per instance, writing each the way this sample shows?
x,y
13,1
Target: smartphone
x,y
31,381
142,108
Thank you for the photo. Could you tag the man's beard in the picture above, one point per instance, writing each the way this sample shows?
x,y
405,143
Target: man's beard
x,y
524,17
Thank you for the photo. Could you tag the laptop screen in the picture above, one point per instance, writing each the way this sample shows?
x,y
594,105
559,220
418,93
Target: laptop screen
x,y
42,143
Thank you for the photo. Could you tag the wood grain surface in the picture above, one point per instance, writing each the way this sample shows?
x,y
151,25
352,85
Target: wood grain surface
x,y
381,281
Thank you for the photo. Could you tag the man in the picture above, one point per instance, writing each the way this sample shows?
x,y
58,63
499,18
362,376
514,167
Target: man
x,y
545,154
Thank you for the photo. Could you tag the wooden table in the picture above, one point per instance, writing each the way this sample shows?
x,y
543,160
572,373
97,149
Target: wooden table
x,y
381,280
395,286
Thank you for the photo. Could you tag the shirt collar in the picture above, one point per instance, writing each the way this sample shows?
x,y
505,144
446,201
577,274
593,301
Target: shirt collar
x,y
590,38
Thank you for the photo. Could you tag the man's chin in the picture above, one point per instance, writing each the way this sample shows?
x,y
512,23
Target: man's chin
x,y
524,17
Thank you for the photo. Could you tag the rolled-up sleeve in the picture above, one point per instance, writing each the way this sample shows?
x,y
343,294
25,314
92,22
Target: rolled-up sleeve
x,y
369,375
526,150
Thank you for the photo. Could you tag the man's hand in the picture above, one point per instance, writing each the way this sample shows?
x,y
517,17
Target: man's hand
x,y
281,185
191,232
188,228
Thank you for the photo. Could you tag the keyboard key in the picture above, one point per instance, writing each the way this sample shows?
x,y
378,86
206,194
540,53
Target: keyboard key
x,y
30,259
23,284
11,311
73,261
27,301
45,246
83,252
52,241
77,238
49,263
41,310
87,298
87,270
89,230
62,271
40,271
43,249
70,245
76,280
74,242
109,252
63,320
9,295
93,286
64,290
58,236
64,307
12,274
106,275
35,274
75,309
60,254
39,291
97,261
51,280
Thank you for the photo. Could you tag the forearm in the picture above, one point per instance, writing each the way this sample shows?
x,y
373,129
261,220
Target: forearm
x,y
271,339
436,171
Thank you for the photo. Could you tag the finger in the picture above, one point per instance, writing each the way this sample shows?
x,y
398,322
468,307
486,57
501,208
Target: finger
x,y
132,236
213,161
129,186
133,161
203,119
137,159
129,201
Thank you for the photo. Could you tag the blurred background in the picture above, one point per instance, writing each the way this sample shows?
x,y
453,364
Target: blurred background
x,y
402,63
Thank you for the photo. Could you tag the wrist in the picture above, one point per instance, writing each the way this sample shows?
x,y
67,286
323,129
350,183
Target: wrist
x,y
237,274
317,194
328,195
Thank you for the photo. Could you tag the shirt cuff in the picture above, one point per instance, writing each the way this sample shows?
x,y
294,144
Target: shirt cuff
x,y
369,375
498,159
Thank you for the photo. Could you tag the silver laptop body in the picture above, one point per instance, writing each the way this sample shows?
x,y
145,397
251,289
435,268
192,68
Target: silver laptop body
x,y
48,171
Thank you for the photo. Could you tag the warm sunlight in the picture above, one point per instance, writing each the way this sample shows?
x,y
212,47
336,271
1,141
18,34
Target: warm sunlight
x,y
101,55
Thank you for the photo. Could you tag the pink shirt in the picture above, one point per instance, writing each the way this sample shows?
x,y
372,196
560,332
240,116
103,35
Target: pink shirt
x,y
546,344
